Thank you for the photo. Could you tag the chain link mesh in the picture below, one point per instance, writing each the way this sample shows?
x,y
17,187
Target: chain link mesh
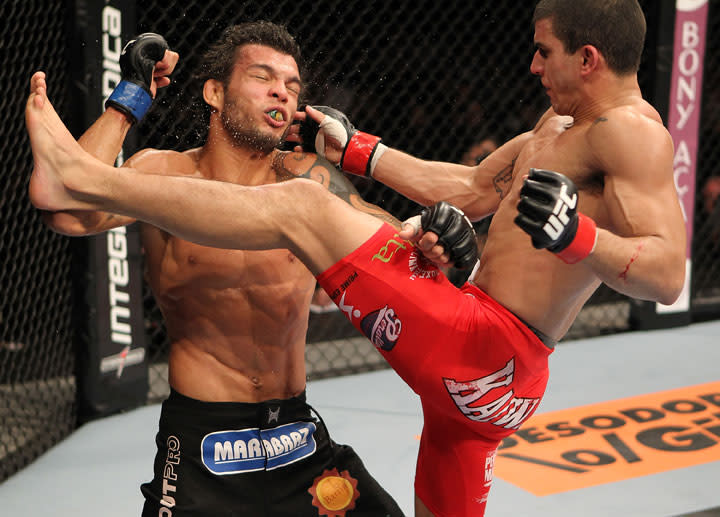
x,y
705,289
431,79
37,387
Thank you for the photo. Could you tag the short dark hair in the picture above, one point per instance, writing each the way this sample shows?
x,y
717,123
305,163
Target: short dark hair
x,y
615,27
218,61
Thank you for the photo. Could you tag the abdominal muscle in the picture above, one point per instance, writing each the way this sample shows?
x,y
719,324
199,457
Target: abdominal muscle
x,y
533,284
237,320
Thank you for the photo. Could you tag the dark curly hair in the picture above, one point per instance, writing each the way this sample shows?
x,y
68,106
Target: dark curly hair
x,y
218,61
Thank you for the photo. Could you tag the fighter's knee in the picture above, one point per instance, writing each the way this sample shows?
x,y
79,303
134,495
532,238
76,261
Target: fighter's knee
x,y
305,190
304,200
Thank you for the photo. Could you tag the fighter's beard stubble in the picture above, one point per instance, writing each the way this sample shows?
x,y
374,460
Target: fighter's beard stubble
x,y
242,132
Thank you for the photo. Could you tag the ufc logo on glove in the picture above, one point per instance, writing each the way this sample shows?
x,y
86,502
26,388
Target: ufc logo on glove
x,y
559,219
547,212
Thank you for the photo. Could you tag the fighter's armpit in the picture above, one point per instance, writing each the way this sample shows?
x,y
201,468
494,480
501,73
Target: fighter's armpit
x,y
290,165
341,186
360,204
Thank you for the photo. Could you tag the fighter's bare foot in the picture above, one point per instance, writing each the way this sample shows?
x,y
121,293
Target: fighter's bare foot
x,y
56,154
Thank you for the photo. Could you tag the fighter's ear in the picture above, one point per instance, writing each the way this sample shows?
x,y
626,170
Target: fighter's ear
x,y
591,58
214,93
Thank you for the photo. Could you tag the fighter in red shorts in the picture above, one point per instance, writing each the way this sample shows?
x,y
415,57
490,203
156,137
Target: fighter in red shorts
x,y
478,369
610,215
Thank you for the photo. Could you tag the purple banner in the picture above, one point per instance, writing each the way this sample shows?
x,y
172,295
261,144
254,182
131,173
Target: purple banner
x,y
684,113
685,99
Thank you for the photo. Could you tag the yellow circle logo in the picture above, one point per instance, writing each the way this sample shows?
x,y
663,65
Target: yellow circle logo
x,y
334,492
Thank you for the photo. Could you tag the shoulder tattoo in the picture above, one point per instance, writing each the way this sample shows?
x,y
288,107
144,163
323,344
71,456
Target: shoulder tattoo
x,y
289,165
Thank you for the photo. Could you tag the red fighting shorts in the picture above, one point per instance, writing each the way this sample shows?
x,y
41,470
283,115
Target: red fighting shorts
x,y
479,371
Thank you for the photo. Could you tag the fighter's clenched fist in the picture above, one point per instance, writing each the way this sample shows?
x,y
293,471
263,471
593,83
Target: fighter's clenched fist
x,y
548,213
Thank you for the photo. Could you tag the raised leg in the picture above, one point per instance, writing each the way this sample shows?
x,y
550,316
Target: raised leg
x,y
299,215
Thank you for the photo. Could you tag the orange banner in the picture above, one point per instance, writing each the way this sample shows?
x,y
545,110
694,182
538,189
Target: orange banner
x,y
621,439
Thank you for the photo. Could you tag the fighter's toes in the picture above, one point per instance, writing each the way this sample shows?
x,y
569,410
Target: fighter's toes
x,y
37,79
39,99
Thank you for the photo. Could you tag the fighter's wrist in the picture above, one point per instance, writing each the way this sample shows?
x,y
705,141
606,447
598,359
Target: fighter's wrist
x,y
377,153
131,99
583,244
118,114
359,154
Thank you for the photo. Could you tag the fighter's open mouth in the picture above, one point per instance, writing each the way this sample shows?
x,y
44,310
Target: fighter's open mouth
x,y
276,115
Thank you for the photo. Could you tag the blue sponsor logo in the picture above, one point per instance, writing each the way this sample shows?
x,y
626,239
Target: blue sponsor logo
x,y
382,327
249,450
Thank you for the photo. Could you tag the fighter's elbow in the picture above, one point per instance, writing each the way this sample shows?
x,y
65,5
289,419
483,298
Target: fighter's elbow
x,y
672,285
57,224
669,297
65,224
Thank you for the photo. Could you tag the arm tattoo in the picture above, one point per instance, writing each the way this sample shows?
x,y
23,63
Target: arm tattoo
x,y
599,119
310,166
503,179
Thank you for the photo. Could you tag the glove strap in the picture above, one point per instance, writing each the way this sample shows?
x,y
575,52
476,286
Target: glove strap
x,y
584,242
377,153
133,100
358,153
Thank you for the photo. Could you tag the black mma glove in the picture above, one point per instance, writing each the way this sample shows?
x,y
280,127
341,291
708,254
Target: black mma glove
x,y
132,95
547,212
361,151
455,233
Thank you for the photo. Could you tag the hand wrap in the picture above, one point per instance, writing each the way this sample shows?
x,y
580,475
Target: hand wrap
x,y
360,150
132,95
455,233
548,213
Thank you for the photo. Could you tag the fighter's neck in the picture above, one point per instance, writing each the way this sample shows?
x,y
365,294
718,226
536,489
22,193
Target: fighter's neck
x,y
606,95
221,160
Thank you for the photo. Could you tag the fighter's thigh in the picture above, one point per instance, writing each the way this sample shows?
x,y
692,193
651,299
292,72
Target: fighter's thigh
x,y
400,302
323,228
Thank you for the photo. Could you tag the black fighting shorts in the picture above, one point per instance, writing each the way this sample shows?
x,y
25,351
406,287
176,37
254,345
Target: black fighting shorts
x,y
270,459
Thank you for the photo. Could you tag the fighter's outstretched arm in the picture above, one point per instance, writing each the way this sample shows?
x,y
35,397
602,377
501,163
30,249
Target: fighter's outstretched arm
x,y
475,190
105,137
301,215
315,167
